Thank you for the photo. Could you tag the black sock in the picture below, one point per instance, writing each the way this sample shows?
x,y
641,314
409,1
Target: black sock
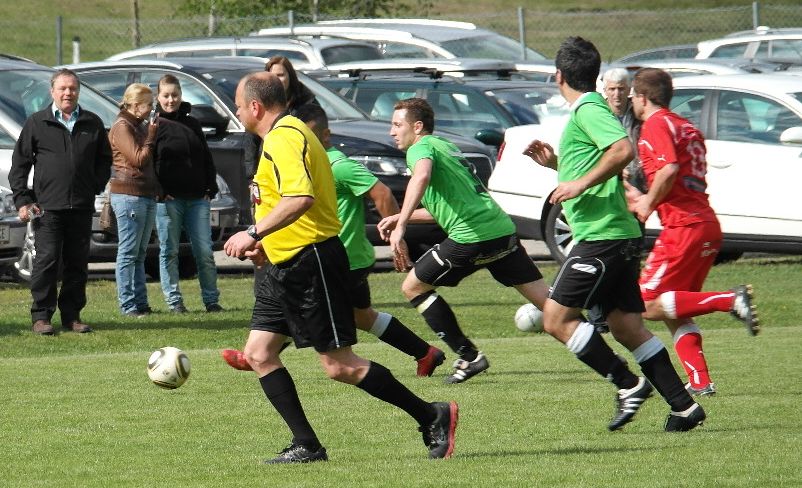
x,y
442,321
661,373
380,383
402,338
280,390
598,355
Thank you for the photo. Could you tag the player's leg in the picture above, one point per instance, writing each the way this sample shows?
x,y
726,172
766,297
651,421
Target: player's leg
x,y
688,345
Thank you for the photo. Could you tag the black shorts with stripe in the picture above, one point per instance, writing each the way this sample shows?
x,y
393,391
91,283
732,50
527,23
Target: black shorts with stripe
x,y
359,287
603,274
308,298
447,263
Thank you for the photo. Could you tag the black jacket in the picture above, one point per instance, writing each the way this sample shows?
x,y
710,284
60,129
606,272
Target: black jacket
x,y
69,168
183,161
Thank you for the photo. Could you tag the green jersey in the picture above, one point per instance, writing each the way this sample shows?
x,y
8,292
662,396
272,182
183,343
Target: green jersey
x,y
456,199
600,212
351,181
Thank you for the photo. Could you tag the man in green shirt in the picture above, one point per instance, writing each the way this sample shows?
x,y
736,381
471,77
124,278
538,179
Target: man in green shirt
x,y
480,234
603,268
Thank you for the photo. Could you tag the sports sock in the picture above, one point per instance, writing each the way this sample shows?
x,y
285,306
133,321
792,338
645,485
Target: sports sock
x,y
441,320
390,330
687,304
379,382
653,359
688,345
280,390
591,349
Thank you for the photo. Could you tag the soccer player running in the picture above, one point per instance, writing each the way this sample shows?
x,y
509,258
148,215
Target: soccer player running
x,y
303,293
672,155
480,234
352,183
602,269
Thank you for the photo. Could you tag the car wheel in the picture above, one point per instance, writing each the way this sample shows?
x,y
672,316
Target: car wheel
x,y
24,266
558,234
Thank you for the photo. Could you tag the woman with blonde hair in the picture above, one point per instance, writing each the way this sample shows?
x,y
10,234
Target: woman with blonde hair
x,y
133,188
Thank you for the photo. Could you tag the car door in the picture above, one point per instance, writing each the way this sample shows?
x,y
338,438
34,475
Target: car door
x,y
751,176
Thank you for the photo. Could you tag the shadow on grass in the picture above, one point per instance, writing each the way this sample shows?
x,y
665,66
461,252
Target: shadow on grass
x,y
568,451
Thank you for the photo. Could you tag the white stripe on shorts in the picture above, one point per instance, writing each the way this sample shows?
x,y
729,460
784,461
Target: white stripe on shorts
x,y
328,299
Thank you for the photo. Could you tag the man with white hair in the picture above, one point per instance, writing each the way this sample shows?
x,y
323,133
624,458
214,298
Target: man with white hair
x,y
616,86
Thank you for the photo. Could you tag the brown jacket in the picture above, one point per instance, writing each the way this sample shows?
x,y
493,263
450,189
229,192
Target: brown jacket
x,y
132,148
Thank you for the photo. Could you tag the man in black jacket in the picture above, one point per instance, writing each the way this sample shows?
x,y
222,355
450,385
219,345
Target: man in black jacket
x,y
69,150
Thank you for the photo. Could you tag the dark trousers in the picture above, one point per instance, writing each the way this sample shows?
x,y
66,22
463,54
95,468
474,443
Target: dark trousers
x,y
62,238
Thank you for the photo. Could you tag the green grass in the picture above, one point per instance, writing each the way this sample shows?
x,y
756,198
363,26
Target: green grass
x,y
78,410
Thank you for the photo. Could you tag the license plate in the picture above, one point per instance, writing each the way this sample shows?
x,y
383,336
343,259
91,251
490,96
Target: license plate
x,y
214,218
5,234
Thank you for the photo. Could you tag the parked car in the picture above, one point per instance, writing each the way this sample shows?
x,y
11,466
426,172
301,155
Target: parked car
x,y
481,106
679,51
26,89
713,66
304,53
753,129
415,38
12,233
209,84
761,43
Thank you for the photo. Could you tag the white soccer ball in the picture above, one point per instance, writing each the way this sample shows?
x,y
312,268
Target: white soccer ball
x,y
168,367
529,318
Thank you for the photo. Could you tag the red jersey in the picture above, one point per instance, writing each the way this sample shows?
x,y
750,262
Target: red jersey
x,y
667,138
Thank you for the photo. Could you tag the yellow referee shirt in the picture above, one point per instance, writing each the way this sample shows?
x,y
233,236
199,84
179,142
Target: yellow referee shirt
x,y
294,163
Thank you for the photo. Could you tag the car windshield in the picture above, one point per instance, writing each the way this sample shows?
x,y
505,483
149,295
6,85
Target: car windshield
x,y
489,46
531,106
335,106
28,91
797,95
346,54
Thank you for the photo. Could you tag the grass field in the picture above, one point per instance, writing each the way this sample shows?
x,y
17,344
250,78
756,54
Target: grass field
x,y
78,410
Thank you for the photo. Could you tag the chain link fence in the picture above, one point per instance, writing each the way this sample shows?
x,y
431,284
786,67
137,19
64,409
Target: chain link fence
x,y
615,33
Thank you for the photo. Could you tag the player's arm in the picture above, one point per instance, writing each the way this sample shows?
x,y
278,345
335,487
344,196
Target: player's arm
x,y
287,210
383,198
613,161
392,228
663,181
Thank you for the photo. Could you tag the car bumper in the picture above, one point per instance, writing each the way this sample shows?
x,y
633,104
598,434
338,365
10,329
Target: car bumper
x,y
12,237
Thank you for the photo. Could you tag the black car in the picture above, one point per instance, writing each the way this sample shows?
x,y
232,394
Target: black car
x,y
209,85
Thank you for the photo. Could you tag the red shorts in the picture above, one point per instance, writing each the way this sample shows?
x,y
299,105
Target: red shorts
x,y
680,260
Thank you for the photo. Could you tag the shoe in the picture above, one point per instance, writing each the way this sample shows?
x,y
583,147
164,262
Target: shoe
x,y
463,369
434,357
146,310
134,313
708,390
77,326
178,308
43,327
628,402
214,307
744,310
236,359
687,420
439,435
296,453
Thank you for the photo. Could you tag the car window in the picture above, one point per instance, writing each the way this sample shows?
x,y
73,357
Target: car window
x,y
730,50
783,48
402,50
292,55
380,102
744,117
489,46
688,104
192,91
110,83
465,112
197,53
7,141
346,54
530,106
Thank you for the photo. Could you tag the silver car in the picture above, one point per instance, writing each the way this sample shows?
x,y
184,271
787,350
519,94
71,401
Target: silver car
x,y
12,233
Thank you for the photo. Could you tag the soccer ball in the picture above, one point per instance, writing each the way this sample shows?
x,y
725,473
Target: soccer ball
x,y
529,318
168,367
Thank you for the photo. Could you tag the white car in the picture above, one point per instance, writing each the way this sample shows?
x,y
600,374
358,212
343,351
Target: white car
x,y
763,42
753,129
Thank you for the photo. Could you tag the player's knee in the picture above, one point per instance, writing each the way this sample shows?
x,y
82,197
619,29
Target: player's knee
x,y
653,310
339,372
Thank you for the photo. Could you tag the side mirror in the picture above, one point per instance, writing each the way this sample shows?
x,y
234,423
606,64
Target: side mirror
x,y
491,137
791,135
209,119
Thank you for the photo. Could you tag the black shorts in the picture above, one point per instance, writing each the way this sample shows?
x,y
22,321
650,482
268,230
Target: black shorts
x,y
601,273
447,263
307,298
359,288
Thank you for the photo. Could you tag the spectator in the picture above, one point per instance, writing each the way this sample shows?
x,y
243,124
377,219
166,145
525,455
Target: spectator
x,y
68,146
187,177
133,188
616,82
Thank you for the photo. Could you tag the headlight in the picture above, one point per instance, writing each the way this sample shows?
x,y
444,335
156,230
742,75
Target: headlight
x,y
7,208
383,165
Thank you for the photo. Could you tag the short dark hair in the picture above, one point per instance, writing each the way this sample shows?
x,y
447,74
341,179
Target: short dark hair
x,y
655,84
312,112
168,79
266,90
418,109
579,62
64,72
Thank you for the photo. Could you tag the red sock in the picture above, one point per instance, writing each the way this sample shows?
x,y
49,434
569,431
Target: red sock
x,y
687,304
688,344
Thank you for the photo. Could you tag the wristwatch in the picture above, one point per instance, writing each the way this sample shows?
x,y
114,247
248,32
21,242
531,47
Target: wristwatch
x,y
251,231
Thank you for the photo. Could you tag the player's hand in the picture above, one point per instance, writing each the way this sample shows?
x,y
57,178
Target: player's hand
x,y
237,245
386,227
401,260
631,194
566,191
642,208
257,257
541,153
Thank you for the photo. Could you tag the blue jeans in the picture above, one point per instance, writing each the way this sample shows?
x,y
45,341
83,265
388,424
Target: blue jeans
x,y
193,216
135,217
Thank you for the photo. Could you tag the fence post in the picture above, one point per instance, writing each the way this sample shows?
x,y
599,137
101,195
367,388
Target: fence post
x,y
212,20
59,31
291,21
755,15
76,50
136,36
522,31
